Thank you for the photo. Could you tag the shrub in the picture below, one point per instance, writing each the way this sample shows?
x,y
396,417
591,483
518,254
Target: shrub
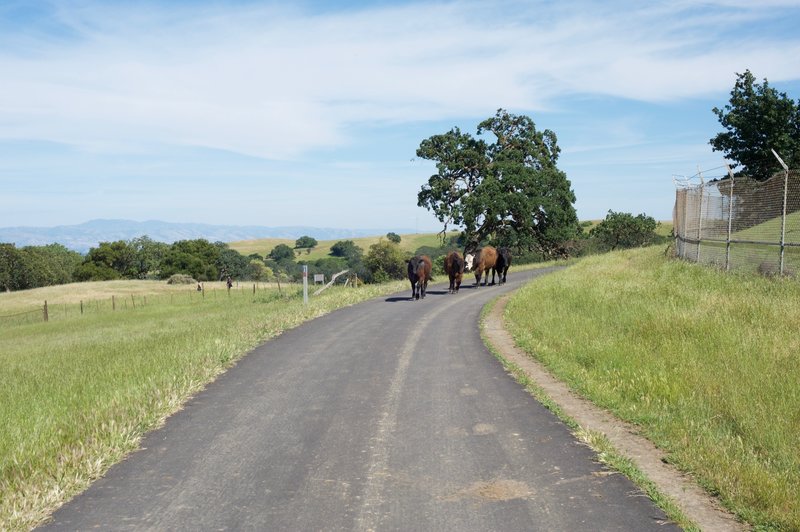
x,y
181,278
386,259
624,230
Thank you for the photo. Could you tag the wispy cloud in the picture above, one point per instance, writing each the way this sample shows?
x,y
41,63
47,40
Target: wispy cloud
x,y
275,82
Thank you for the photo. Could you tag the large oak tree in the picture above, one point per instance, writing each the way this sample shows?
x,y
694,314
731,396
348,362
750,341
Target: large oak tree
x,y
507,192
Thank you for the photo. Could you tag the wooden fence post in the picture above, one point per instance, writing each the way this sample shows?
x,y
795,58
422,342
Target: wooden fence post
x,y
113,303
81,307
45,310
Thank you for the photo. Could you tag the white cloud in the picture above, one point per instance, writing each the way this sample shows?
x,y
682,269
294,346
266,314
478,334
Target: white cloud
x,y
277,82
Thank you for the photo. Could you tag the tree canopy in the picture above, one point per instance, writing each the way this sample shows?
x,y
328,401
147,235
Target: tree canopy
x,y
305,242
624,230
281,253
385,260
507,192
347,249
757,120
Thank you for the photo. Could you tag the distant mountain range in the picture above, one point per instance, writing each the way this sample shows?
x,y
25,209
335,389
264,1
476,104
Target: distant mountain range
x,y
87,235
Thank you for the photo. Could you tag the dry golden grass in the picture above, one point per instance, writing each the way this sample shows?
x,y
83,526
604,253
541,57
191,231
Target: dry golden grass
x,y
408,242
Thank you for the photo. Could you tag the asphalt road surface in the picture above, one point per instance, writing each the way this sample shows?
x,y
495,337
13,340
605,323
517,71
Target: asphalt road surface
x,y
387,415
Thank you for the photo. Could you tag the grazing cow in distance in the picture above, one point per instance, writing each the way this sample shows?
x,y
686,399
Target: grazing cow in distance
x,y
502,265
484,261
454,268
468,258
419,273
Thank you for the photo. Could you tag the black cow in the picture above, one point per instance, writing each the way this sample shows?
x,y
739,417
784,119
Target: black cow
x,y
501,265
419,273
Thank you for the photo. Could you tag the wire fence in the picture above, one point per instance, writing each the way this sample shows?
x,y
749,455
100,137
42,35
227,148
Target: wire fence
x,y
737,223
49,311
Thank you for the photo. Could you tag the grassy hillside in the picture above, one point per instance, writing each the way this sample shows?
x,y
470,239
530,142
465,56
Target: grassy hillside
x,y
771,230
409,242
706,363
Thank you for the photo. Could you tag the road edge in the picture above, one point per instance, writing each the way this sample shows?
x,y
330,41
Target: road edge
x,y
698,506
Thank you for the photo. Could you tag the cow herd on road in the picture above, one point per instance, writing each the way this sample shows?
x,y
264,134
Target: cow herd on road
x,y
481,262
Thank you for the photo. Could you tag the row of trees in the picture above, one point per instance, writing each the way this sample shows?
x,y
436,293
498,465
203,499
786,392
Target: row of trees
x,y
144,258
199,259
34,266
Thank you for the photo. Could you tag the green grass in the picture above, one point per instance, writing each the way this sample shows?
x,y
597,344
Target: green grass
x,y
606,453
77,393
770,230
707,364
410,243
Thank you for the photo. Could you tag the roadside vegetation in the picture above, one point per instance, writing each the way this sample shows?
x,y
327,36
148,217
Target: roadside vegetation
x,y
706,363
78,392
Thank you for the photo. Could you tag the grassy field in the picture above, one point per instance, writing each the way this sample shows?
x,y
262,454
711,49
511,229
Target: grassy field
x,y
410,243
78,392
706,363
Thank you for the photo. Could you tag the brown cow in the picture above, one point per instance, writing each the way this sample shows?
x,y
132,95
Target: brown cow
x,y
483,263
454,268
419,273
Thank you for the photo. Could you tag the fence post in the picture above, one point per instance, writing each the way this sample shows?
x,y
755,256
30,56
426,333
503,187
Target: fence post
x,y
785,196
305,284
45,310
113,303
730,222
81,307
133,301
700,215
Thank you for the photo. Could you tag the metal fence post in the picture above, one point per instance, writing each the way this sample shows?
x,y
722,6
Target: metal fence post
x,y
699,216
785,196
730,222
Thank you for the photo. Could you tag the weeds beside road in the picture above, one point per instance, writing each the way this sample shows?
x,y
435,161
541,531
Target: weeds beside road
x,y
706,363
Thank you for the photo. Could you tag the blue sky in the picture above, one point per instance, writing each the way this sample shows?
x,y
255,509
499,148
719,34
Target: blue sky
x,y
310,113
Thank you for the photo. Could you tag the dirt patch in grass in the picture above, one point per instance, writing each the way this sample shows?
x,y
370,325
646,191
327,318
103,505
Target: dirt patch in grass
x,y
696,504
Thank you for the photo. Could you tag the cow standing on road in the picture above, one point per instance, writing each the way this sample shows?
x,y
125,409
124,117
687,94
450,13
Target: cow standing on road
x,y
502,265
454,268
419,273
485,259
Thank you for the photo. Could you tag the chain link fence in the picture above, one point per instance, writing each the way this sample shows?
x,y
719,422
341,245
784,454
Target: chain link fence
x,y
740,223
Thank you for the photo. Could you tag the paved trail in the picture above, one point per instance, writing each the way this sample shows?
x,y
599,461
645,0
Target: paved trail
x,y
388,415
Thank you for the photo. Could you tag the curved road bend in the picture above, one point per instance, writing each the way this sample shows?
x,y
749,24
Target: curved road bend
x,y
387,415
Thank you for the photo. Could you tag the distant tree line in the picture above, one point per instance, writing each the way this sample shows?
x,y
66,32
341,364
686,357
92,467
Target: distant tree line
x,y
34,266
198,259
201,260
